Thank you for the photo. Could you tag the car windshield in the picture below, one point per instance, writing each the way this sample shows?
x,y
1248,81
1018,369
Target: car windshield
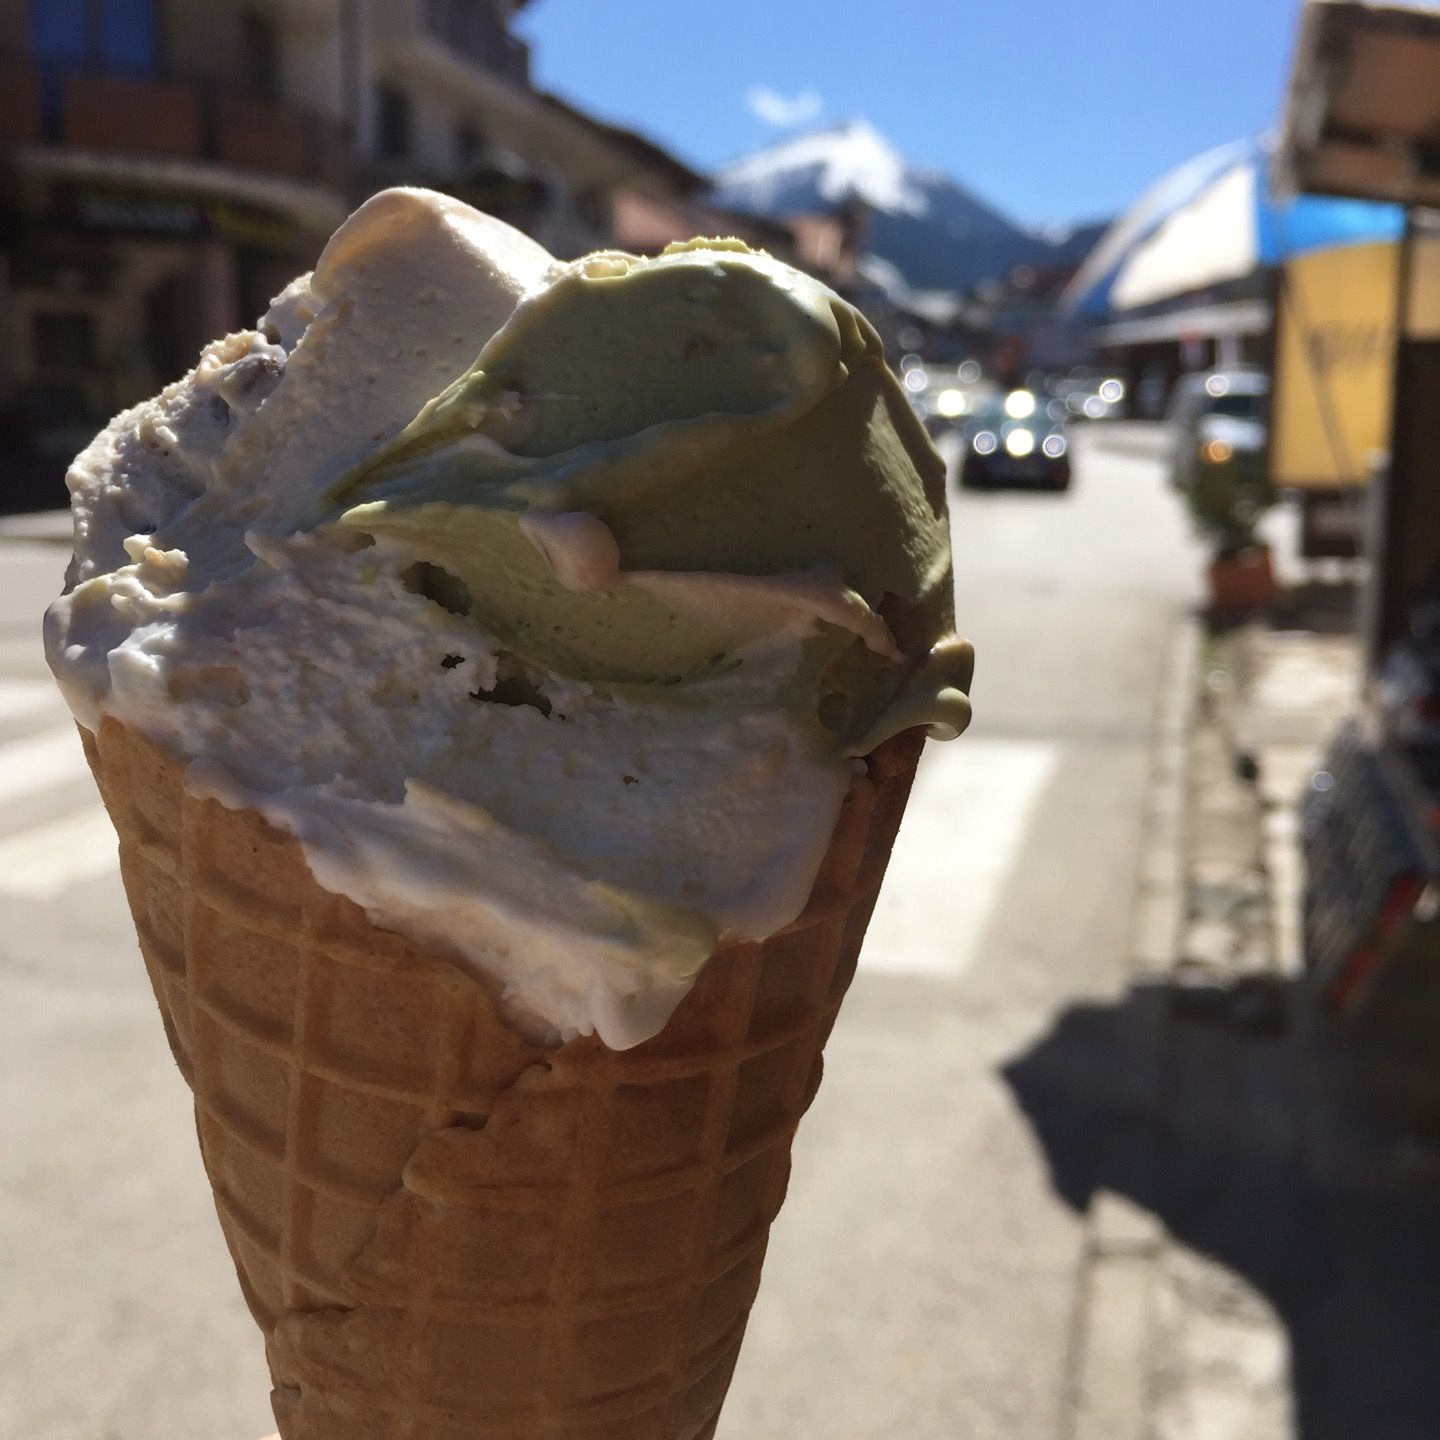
x,y
993,416
1241,407
1020,408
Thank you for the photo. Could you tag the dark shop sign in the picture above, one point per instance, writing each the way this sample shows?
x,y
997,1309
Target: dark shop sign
x,y
172,215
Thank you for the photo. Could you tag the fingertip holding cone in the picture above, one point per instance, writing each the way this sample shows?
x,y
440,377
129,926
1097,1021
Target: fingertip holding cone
x,y
444,1231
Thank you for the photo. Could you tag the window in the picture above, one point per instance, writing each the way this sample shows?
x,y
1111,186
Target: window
x,y
1239,407
60,31
596,207
260,56
468,144
393,122
63,340
470,26
116,35
127,34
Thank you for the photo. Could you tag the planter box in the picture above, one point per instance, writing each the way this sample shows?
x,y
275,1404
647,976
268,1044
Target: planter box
x,y
1241,583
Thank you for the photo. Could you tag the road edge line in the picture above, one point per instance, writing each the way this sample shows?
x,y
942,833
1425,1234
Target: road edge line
x,y
1110,1370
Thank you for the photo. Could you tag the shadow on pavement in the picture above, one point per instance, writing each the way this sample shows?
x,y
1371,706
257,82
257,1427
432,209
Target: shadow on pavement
x,y
1226,1113
1324,606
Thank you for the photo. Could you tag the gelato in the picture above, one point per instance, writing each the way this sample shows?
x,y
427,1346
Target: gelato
x,y
557,656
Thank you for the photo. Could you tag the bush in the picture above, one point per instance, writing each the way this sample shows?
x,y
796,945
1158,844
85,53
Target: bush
x,y
1227,498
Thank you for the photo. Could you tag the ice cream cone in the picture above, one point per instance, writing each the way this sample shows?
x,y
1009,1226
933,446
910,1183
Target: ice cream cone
x,y
445,1231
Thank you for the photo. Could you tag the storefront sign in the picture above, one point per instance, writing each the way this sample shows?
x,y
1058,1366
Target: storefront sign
x,y
255,228
173,215
138,214
1334,353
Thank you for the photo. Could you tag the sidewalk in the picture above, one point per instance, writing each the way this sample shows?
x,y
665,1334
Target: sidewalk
x,y
1149,438
1262,1261
49,526
1247,1078
1297,1290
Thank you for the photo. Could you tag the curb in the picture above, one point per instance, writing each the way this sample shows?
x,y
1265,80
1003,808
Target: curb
x,y
1139,439
1114,1325
51,527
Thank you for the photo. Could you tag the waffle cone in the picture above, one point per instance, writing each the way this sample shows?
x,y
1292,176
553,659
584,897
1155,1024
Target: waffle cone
x,y
444,1231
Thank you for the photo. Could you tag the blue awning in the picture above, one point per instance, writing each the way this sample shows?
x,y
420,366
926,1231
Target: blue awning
x,y
1212,220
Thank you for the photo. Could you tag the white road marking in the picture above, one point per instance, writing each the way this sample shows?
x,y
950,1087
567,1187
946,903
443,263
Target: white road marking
x,y
20,650
972,808
40,762
23,699
44,861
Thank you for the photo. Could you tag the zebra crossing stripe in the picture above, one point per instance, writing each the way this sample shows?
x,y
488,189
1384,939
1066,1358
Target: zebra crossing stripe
x,y
25,699
984,797
40,762
44,861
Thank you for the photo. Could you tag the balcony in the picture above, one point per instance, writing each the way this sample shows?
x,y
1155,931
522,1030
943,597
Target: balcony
x,y
474,31
146,117
261,135
171,120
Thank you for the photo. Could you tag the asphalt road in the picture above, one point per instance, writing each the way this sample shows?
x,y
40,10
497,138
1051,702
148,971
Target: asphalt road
x,y
922,1280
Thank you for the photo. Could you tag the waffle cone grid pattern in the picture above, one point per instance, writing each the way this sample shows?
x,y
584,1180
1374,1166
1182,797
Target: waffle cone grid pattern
x,y
446,1232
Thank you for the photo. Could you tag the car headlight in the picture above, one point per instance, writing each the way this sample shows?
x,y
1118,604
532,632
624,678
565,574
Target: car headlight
x,y
984,443
1019,442
1054,446
950,403
1216,452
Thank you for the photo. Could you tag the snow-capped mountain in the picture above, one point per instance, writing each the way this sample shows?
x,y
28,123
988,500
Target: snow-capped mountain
x,y
932,231
819,170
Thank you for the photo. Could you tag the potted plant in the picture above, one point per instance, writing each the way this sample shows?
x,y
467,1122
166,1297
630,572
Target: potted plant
x,y
1228,493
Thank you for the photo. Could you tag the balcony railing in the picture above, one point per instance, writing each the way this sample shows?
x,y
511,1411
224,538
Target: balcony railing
x,y
475,31
172,119
147,117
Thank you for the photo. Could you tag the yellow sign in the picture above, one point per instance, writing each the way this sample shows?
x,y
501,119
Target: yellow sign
x,y
1334,354
249,227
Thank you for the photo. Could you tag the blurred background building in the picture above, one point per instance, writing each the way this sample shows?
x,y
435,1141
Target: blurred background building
x,y
166,166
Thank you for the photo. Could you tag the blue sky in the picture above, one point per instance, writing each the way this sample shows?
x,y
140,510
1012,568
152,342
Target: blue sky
x,y
1051,110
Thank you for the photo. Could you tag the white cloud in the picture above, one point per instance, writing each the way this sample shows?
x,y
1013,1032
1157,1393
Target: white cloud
x,y
781,110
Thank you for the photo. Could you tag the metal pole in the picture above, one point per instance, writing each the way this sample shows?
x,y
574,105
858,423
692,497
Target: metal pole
x,y
351,83
1385,603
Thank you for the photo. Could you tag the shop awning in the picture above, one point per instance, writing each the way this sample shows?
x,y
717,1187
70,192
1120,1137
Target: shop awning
x,y
1213,221
1240,317
1363,115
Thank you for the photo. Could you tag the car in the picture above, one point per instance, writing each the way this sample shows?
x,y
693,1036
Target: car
x,y
1217,417
942,398
1016,439
1090,395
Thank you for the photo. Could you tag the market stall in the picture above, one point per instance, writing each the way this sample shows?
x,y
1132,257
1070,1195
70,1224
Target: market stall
x,y
1363,120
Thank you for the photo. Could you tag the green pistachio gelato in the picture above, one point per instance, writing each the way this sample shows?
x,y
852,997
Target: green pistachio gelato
x,y
657,462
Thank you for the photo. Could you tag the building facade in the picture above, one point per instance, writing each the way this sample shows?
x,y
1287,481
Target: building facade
x,y
447,101
166,166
